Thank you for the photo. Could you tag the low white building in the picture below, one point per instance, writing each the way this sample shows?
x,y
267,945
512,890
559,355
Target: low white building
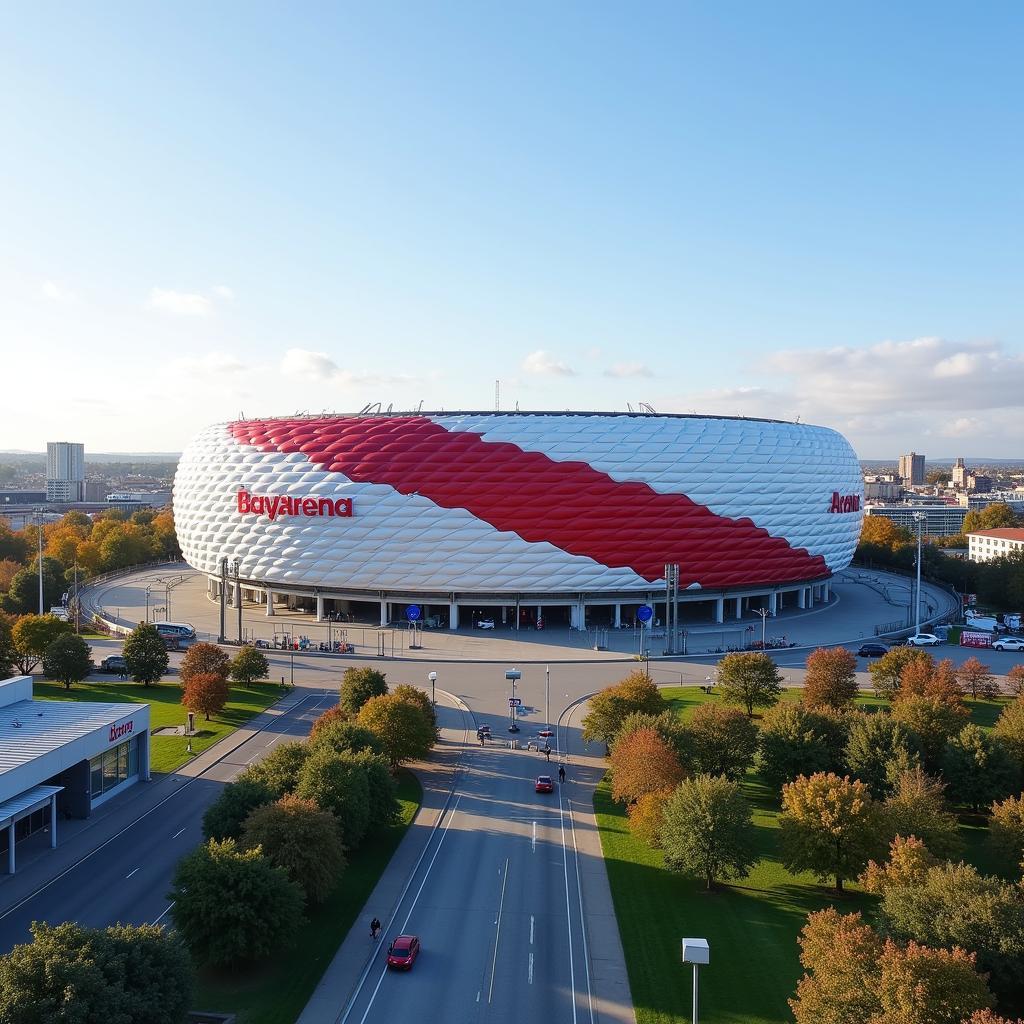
x,y
63,758
984,545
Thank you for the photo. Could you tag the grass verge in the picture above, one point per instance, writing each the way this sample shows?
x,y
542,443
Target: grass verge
x,y
276,992
168,753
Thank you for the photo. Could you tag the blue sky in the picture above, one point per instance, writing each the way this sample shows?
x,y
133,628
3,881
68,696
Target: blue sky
x,y
790,209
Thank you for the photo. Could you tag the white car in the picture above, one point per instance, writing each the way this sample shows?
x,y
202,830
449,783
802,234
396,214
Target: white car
x,y
923,640
485,623
1009,643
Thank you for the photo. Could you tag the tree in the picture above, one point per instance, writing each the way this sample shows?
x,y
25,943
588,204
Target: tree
x,y
22,595
1006,834
206,693
883,532
609,708
279,770
646,815
329,717
32,634
248,665
978,769
933,721
341,735
667,725
798,741
296,835
707,830
1015,680
124,973
752,680
145,654
992,517
419,698
405,733
8,653
338,783
231,906
954,905
1009,728
382,788
888,670
68,659
990,1017
723,741
917,807
203,659
831,678
829,826
909,863
643,763
873,741
358,685
226,815
975,678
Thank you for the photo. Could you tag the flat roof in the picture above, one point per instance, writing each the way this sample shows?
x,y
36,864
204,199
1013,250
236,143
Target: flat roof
x,y
32,728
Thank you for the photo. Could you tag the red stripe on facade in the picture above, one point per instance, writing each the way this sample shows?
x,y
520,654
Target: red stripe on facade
x,y
568,504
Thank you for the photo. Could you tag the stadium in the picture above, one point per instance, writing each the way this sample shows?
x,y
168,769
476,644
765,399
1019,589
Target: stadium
x,y
550,519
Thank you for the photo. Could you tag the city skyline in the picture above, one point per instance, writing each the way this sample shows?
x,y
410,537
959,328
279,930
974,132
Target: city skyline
x,y
725,212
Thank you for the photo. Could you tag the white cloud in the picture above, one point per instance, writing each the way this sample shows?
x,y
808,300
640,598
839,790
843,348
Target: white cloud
x,y
962,364
623,370
302,362
54,292
222,291
180,303
217,363
543,363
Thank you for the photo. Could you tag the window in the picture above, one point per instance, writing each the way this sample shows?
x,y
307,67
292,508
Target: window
x,y
96,775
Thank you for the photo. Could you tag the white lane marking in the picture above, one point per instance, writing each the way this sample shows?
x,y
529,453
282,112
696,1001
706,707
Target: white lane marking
x,y
568,914
478,997
178,833
529,973
164,914
583,925
533,844
272,742
426,875
497,934
132,872
531,929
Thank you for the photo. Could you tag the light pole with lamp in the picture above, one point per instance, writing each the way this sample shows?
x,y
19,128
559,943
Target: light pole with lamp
x,y
919,518
39,559
148,589
547,697
433,679
763,612
696,952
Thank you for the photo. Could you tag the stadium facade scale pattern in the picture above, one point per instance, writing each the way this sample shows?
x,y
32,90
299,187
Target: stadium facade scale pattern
x,y
494,509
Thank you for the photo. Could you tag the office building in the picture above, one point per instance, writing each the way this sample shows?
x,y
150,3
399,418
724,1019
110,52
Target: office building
x,y
939,520
912,470
65,471
984,545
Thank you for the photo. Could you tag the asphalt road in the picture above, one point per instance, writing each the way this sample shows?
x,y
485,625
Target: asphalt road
x,y
127,878
495,902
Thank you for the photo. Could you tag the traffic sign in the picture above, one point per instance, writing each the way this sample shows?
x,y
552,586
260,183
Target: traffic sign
x,y
412,613
644,613
515,702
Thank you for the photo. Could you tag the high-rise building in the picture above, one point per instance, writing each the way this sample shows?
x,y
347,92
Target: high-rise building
x,y
65,471
960,475
912,469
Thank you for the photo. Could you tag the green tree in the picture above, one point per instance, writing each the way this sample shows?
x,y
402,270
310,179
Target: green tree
x,y
888,670
917,807
248,665
798,741
32,634
1006,834
296,835
829,826
752,680
145,654
203,659
22,596
608,709
232,906
68,659
224,818
873,742
76,975
419,698
933,722
338,783
707,830
382,789
404,731
723,741
341,735
996,516
1009,729
13,546
205,693
978,769
8,653
358,685
279,771
831,678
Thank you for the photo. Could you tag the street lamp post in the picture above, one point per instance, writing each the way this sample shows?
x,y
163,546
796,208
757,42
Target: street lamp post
x,y
547,697
919,517
696,952
39,560
433,679
763,612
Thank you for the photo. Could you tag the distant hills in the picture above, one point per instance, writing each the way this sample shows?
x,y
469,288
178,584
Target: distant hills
x,y
16,455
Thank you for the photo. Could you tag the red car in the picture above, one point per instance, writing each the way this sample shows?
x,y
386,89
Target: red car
x,y
403,951
544,784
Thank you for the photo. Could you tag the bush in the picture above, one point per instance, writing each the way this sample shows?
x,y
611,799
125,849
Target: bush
x,y
798,741
752,680
873,742
1006,834
226,815
68,659
643,763
231,906
358,685
248,665
279,770
831,678
608,709
404,731
203,659
205,693
707,830
723,741
978,769
338,783
145,654
342,736
296,835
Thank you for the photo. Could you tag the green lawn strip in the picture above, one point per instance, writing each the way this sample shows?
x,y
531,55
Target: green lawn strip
x,y
168,753
276,992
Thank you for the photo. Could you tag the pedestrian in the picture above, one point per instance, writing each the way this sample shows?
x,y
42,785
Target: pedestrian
x,y
561,773
374,929
547,753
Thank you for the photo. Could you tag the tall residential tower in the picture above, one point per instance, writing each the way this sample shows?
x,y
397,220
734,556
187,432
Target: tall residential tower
x,y
65,471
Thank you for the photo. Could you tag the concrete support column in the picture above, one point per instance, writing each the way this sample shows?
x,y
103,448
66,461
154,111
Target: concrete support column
x,y
319,607
801,598
383,613
575,616
618,615
238,594
453,615
739,607
144,756
826,588
270,602
811,594
773,599
53,822
720,609
211,587
10,848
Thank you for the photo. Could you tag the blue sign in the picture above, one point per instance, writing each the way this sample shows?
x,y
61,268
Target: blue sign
x,y
412,613
644,613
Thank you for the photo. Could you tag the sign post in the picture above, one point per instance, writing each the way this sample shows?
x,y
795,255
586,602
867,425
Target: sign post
x,y
513,674
412,613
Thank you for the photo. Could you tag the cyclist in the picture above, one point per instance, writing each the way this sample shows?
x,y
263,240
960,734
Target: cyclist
x,y
375,927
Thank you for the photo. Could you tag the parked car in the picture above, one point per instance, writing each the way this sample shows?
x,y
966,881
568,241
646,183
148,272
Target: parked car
x,y
1009,643
923,640
544,784
484,728
872,650
403,951
115,664
485,623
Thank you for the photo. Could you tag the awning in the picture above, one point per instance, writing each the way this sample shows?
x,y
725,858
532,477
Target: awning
x,y
31,800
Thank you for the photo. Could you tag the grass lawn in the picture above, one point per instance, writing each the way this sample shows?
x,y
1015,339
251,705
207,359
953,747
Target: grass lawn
x,y
752,925
275,993
170,752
